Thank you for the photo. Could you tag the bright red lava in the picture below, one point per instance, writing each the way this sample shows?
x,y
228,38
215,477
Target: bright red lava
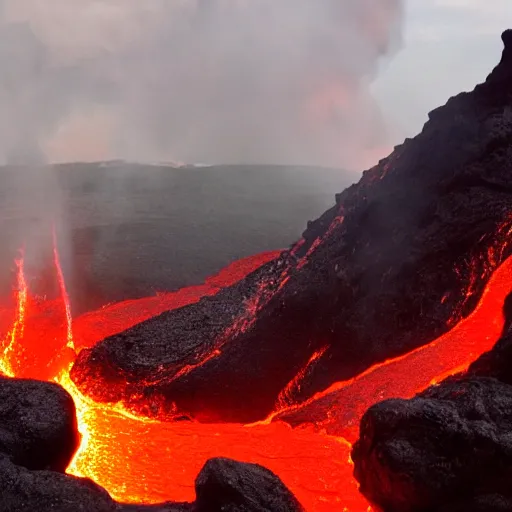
x,y
147,461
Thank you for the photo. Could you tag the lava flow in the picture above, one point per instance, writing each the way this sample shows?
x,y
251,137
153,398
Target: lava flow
x,y
339,408
146,461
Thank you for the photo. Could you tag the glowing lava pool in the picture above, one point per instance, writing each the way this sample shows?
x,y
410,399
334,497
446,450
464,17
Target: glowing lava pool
x,y
146,461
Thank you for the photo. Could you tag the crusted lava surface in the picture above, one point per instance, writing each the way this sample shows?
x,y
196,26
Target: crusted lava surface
x,y
400,258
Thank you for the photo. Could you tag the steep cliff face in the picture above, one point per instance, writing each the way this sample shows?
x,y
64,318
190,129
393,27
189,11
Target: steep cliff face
x,y
400,257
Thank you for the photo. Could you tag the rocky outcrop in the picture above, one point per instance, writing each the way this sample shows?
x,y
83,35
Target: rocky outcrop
x,y
38,428
447,448
224,484
22,490
387,269
38,438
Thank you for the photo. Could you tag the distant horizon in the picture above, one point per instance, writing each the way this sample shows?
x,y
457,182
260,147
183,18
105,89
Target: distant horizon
x,y
173,165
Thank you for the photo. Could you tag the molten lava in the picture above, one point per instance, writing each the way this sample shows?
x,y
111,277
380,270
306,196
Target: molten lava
x,y
10,347
141,460
285,399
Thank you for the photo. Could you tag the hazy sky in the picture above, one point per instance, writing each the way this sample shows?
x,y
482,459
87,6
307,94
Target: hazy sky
x,y
234,81
449,47
215,81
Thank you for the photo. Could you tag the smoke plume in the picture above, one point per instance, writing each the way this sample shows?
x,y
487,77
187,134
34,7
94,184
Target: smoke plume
x,y
216,81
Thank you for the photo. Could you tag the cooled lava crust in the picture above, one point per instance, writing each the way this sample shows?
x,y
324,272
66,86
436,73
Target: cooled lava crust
x,y
399,259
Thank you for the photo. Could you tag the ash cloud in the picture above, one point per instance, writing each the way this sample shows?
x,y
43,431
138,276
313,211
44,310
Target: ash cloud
x,y
217,81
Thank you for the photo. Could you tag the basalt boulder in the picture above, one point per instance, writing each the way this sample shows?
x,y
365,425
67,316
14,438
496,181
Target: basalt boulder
x,y
22,490
224,485
387,269
38,437
449,448
38,427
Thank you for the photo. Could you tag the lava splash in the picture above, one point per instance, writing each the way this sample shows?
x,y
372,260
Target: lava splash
x,y
142,460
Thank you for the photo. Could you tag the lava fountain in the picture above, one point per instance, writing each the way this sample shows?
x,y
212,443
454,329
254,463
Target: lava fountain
x,y
142,460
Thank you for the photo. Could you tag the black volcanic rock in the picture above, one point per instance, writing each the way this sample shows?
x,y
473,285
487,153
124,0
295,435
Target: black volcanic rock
x,y
143,348
224,485
386,270
447,449
38,428
497,362
22,490
484,503
38,437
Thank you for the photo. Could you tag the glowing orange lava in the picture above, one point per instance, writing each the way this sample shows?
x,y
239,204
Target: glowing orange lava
x,y
142,460
10,342
345,402
64,294
285,399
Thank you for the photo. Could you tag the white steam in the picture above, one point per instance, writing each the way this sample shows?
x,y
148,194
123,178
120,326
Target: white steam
x,y
219,81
